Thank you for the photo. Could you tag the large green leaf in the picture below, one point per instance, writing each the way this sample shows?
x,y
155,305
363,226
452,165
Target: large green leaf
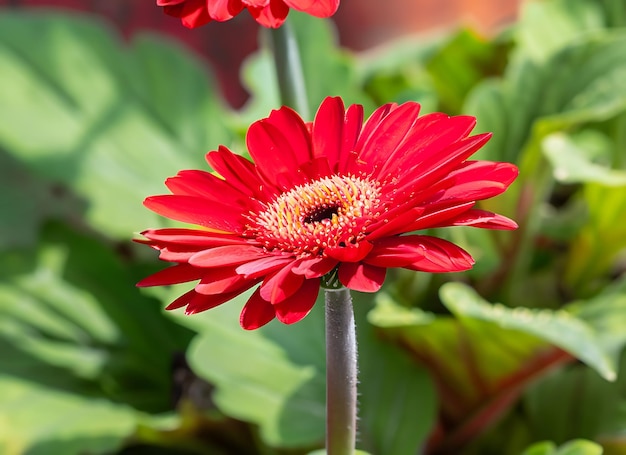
x,y
71,318
581,159
109,121
484,356
38,421
274,377
547,26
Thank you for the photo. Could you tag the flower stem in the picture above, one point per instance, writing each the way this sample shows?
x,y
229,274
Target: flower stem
x,y
291,83
341,373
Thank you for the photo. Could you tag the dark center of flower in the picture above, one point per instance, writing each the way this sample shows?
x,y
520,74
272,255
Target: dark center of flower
x,y
329,212
321,214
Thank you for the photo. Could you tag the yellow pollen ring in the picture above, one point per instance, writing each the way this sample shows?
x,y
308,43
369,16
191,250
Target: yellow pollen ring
x,y
330,211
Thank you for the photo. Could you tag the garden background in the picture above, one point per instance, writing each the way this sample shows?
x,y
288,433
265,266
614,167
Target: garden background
x,y
526,347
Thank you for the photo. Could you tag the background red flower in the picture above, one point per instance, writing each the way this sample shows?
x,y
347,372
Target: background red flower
x,y
269,13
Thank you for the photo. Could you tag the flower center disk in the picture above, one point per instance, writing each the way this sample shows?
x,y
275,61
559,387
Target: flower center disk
x,y
330,212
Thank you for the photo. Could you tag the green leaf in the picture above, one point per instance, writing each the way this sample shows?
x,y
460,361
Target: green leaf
x,y
112,121
483,357
575,447
547,26
582,82
573,162
71,314
574,403
278,382
558,328
39,421
460,64
594,251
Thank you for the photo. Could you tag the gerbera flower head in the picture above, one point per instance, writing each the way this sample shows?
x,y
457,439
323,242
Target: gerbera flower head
x,y
269,13
328,203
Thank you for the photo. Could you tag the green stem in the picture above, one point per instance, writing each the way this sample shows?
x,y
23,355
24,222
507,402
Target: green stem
x,y
291,83
341,373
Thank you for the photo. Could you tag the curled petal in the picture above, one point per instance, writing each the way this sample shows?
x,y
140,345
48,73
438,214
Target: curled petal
x,y
361,277
273,15
315,267
350,252
318,8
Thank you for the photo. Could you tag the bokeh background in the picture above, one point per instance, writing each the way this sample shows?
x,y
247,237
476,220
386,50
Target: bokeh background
x,y
100,101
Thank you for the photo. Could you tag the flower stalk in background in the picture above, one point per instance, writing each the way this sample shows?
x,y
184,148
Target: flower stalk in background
x,y
334,202
269,13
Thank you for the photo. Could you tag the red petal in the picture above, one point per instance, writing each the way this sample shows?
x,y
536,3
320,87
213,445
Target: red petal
x,y
198,302
426,139
394,224
218,281
443,257
278,145
181,301
420,170
281,285
224,256
263,266
296,307
479,180
257,312
350,252
354,164
361,277
315,267
191,237
482,219
438,217
222,10
273,15
334,132
201,302
193,13
318,8
238,172
195,210
206,185
352,129
173,275
420,252
389,134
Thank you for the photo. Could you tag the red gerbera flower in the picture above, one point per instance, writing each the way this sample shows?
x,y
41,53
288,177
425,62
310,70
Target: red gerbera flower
x,y
269,13
332,199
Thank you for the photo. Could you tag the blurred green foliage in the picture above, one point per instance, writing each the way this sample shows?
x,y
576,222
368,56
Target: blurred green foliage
x,y
90,125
